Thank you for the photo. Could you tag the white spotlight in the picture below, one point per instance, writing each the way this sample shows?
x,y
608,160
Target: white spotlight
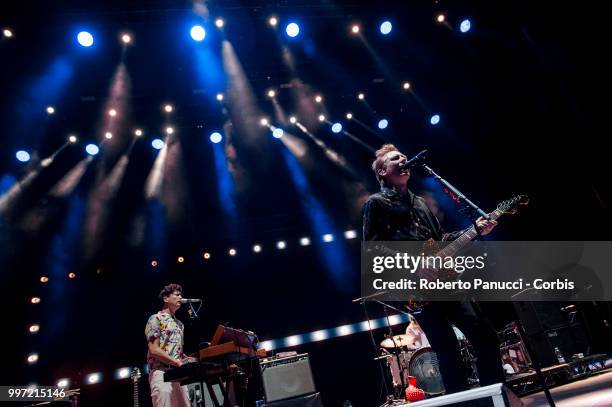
x,y
126,38
94,378
350,234
349,116
406,85
138,132
257,248
292,30
108,135
169,130
336,127
157,144
281,245
271,93
318,99
263,121
355,29
386,27
123,373
34,328
232,252
305,241
50,109
321,118
85,39
32,358
273,21
219,22
7,33
293,119
198,33
361,96
440,18
22,156
328,237
277,133
112,113
63,383
219,97
168,108
72,139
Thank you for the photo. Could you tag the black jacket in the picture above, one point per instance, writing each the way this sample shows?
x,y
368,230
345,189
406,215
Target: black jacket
x,y
391,216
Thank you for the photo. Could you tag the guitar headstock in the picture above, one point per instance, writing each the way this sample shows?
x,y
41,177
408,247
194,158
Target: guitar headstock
x,y
135,375
511,205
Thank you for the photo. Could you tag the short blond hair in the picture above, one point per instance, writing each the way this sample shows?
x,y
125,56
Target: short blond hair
x,y
379,161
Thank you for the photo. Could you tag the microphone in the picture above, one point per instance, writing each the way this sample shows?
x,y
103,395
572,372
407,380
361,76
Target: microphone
x,y
417,159
190,300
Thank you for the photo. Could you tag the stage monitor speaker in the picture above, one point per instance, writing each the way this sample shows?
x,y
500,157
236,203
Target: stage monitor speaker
x,y
285,378
495,395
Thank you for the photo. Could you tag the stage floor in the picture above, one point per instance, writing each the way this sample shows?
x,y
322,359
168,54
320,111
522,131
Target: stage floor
x,y
596,391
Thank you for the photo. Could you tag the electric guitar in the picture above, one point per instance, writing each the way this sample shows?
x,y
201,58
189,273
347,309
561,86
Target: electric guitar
x,y
135,376
431,247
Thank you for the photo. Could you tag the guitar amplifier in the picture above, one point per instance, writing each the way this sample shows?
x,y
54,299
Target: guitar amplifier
x,y
288,377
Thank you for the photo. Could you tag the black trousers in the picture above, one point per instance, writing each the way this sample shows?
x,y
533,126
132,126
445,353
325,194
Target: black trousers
x,y
436,321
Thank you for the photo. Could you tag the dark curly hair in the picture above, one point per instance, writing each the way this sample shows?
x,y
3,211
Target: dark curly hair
x,y
168,290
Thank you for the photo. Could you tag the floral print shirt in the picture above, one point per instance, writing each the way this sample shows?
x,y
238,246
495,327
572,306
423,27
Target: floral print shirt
x,y
169,330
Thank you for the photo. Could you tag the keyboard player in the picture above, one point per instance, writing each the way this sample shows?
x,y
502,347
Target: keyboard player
x,y
164,334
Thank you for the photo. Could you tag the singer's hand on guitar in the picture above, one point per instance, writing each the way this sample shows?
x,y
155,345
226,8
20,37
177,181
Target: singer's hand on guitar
x,y
485,226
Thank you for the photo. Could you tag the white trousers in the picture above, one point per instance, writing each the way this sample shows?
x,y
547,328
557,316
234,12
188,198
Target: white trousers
x,y
167,394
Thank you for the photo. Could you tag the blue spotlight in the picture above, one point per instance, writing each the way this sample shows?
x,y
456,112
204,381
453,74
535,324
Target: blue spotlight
x,y
383,123
92,149
216,137
465,26
277,133
386,27
292,30
23,156
85,39
435,119
336,127
157,144
198,33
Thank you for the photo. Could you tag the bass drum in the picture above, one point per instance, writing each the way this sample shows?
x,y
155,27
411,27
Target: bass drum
x,y
424,366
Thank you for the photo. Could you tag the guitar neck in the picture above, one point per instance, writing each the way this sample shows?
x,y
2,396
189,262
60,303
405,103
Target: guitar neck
x,y
465,238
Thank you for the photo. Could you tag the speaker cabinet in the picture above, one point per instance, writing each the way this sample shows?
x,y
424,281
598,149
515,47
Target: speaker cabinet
x,y
288,377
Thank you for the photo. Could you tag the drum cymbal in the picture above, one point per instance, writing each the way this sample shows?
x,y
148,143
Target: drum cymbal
x,y
399,341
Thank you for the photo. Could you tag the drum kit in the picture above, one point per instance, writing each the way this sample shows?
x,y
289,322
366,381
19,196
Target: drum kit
x,y
406,356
